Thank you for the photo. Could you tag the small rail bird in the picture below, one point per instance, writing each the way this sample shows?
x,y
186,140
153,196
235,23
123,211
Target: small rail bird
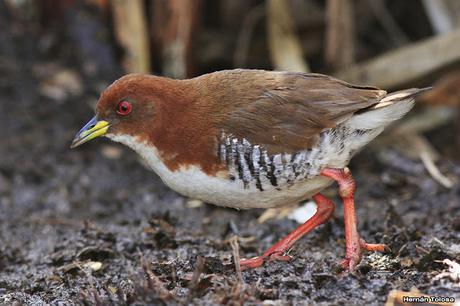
x,y
252,139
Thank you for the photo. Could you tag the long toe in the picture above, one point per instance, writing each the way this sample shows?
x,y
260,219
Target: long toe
x,y
252,263
259,261
374,247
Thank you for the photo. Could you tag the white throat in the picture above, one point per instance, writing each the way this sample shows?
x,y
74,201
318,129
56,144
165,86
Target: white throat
x,y
149,153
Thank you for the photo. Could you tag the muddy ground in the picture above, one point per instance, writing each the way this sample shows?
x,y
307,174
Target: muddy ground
x,y
94,226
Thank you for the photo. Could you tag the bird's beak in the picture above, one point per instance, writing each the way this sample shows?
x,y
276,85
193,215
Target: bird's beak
x,y
91,130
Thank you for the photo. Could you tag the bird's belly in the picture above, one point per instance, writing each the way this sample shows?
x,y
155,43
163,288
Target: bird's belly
x,y
194,183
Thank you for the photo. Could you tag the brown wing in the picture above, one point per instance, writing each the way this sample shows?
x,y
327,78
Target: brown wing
x,y
286,112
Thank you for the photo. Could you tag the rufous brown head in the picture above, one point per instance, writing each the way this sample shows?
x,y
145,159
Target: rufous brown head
x,y
127,107
166,114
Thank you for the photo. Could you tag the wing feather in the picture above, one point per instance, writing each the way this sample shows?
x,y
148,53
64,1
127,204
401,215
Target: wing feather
x,y
285,112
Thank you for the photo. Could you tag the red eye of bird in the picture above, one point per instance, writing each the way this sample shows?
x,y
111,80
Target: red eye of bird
x,y
124,108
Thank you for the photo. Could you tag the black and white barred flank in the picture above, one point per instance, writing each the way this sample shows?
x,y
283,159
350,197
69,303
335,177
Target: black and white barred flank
x,y
252,164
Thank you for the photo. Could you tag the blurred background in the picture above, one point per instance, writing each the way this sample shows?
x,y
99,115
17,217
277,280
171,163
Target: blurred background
x,y
93,226
73,48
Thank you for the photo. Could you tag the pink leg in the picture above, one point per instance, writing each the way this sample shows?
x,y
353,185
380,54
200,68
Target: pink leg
x,y
324,211
355,245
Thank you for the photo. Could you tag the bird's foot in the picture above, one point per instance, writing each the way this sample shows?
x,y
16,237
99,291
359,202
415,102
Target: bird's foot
x,y
355,245
355,252
259,261
324,210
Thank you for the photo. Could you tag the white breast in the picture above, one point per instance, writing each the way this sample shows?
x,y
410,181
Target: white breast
x,y
194,183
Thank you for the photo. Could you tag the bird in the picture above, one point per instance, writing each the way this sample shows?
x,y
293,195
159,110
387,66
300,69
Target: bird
x,y
248,138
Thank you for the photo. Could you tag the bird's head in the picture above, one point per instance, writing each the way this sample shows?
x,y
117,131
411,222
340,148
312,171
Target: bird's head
x,y
174,117
128,107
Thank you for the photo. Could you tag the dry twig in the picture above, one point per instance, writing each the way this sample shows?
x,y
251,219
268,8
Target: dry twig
x,y
442,14
340,38
236,257
154,283
245,35
388,22
434,171
131,31
195,281
406,64
278,213
174,23
285,48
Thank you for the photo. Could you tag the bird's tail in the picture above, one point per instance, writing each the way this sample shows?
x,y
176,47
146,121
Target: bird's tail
x,y
392,107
